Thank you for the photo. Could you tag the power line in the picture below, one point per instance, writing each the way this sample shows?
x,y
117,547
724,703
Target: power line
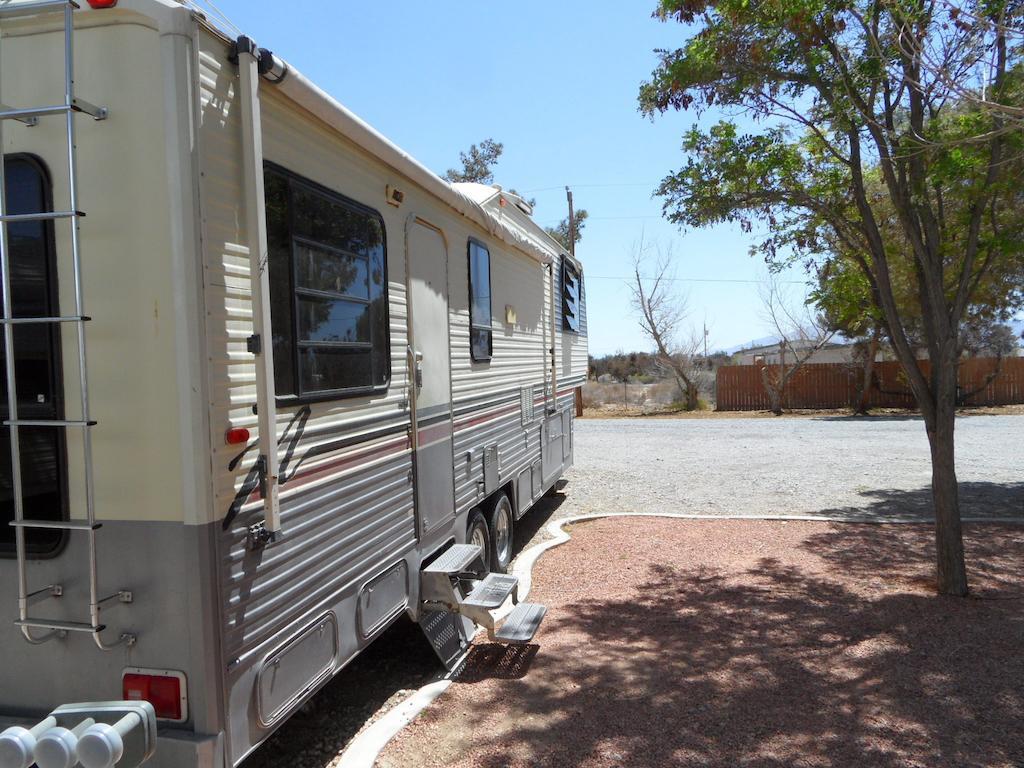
x,y
631,278
593,186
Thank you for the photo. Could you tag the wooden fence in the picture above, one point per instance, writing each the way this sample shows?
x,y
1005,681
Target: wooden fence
x,y
834,385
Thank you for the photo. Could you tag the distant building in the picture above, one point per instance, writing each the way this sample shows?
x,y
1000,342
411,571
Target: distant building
x,y
771,354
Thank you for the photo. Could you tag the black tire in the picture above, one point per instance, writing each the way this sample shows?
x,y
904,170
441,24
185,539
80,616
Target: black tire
x,y
477,533
501,522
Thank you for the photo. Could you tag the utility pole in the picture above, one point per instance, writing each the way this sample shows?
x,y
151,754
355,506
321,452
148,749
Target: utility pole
x,y
572,223
705,340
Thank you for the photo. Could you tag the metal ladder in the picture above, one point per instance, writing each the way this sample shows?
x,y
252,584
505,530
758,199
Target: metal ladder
x,y
30,116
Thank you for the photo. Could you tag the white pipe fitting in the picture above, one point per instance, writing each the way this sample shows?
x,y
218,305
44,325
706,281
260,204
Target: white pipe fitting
x,y
18,745
102,746
58,747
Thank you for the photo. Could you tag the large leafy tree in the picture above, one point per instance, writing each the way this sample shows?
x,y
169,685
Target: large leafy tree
x,y
841,93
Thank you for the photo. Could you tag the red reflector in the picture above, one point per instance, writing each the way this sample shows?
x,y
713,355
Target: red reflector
x,y
236,436
102,3
163,692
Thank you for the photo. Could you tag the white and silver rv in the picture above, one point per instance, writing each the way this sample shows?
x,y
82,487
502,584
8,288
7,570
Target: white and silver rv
x,y
270,383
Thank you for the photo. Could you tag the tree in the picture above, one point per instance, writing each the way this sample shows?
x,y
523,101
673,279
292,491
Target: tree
x,y
661,316
478,166
561,232
477,163
801,334
847,105
843,296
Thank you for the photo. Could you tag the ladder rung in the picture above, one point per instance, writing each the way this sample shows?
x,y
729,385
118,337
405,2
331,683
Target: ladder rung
x,y
47,423
44,320
13,218
66,626
27,113
30,9
77,105
59,525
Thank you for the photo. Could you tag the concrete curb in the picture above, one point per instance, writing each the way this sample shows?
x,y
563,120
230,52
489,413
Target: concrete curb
x,y
364,749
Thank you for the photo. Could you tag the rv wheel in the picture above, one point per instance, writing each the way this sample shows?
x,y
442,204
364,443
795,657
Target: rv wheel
x,y
501,534
476,533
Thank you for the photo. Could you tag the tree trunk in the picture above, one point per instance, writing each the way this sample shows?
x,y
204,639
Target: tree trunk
x,y
868,374
692,397
773,388
951,571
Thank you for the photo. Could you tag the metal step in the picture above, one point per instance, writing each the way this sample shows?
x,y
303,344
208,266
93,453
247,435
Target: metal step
x,y
14,218
491,592
62,626
522,624
60,525
455,560
31,9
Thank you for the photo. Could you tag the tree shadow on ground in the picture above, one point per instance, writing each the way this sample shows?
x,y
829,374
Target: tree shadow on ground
x,y
977,499
815,659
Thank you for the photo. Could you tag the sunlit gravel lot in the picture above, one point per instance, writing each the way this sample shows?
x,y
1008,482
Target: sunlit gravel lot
x,y
875,467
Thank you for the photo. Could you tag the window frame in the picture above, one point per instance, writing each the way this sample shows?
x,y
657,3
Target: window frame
x,y
566,266
472,241
57,369
299,397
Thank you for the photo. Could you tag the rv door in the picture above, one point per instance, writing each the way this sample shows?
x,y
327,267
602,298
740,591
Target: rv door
x,y
430,376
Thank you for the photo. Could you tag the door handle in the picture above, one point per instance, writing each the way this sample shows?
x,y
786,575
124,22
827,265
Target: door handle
x,y
415,360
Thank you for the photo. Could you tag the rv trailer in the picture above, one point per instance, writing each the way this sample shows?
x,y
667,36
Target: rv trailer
x,y
270,384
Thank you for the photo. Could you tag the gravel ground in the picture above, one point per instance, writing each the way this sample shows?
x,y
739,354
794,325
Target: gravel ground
x,y
717,464
745,643
875,467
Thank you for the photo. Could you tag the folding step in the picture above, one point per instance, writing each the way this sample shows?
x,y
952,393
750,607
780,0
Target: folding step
x,y
522,624
455,560
491,592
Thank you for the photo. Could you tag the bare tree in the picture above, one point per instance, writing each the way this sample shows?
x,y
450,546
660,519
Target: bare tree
x,y
801,334
662,312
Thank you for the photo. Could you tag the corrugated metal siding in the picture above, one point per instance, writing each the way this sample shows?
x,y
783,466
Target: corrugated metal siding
x,y
346,497
486,395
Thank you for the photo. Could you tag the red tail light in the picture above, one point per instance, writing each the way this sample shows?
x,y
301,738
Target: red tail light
x,y
236,436
102,3
165,690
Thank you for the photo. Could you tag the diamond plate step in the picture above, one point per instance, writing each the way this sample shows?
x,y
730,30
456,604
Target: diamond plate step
x,y
456,559
491,592
522,624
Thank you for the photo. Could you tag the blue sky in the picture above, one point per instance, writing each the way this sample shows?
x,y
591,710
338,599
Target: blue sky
x,y
556,82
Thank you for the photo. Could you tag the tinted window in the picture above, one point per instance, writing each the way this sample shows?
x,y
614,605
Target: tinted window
x,y
37,364
328,290
479,301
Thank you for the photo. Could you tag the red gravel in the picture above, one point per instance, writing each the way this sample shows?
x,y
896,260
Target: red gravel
x,y
740,643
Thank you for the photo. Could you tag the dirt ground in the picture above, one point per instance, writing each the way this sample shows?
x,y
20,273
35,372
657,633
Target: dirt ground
x,y
746,643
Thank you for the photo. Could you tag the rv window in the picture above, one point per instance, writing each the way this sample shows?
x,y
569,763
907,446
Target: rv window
x,y
479,301
571,297
37,369
328,291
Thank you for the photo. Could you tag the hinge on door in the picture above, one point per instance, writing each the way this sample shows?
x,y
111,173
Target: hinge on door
x,y
254,344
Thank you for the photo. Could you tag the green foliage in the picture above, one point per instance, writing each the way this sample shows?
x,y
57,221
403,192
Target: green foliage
x,y
477,163
561,232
